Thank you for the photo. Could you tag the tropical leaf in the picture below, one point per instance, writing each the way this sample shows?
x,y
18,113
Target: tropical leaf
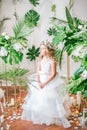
x,y
34,2
51,31
54,19
71,2
58,56
59,35
15,75
31,18
5,59
69,19
32,53
21,30
85,94
53,8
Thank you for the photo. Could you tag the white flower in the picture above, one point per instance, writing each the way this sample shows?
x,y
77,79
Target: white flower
x,y
1,93
17,46
80,26
84,74
4,33
3,52
6,37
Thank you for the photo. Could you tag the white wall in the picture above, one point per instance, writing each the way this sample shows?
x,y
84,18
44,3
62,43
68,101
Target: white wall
x,y
8,7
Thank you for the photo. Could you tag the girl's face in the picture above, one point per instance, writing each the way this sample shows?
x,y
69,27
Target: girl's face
x,y
43,50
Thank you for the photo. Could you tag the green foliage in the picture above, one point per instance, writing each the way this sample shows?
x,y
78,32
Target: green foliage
x,y
71,2
51,31
85,94
78,72
15,75
21,30
70,33
53,8
34,2
59,35
32,53
59,56
69,19
77,83
31,18
13,56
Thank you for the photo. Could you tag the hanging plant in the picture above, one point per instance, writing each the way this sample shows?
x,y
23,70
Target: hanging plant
x,y
32,18
32,53
34,2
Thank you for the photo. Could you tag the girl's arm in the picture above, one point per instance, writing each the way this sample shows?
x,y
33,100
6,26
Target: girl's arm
x,y
38,69
53,74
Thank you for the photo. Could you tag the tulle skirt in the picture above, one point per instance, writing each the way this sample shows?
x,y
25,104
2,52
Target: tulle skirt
x,y
45,106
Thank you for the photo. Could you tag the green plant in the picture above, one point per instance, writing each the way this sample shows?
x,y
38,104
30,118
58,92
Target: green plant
x,y
71,34
34,2
53,9
15,75
32,53
21,30
31,18
11,47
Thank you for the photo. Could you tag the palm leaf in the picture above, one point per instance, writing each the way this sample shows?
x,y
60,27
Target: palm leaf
x,y
21,30
58,20
12,74
71,2
69,19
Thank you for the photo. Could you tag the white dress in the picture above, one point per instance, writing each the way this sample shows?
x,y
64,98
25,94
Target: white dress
x,y
44,106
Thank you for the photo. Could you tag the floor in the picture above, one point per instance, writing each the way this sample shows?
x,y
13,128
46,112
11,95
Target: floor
x,y
26,125
18,124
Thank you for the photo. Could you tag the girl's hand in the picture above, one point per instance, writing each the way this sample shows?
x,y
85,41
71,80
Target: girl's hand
x,y
41,85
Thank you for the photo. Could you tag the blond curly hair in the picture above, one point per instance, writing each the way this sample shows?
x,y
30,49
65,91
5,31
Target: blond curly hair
x,y
51,50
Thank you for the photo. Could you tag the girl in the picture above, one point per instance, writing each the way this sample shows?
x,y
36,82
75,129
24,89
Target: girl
x,y
44,104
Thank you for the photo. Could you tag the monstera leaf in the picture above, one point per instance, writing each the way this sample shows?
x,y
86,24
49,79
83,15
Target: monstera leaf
x,y
34,2
31,18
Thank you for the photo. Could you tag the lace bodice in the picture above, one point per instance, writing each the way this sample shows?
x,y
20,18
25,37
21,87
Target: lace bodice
x,y
45,66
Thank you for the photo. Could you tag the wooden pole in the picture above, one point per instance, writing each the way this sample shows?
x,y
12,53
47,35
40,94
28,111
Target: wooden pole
x,y
68,69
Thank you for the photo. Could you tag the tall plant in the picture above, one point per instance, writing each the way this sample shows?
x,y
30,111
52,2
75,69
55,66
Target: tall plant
x,y
71,33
